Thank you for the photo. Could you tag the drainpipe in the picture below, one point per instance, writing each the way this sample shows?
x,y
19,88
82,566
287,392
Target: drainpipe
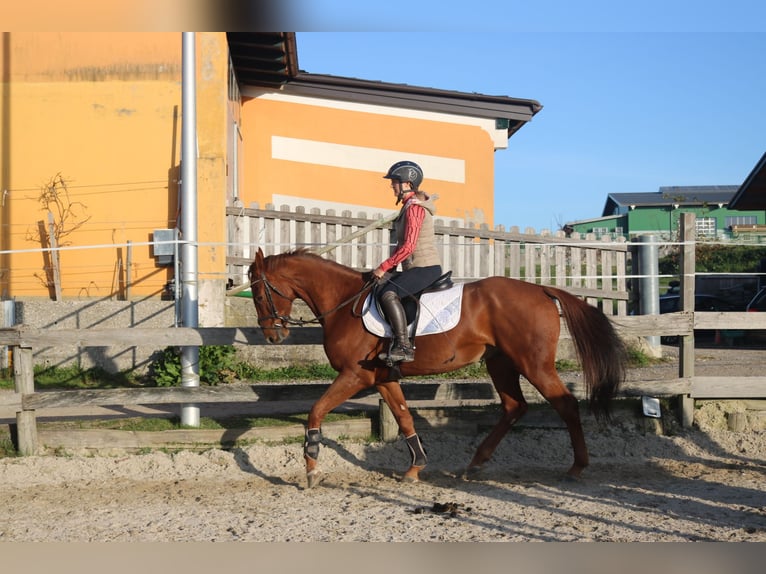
x,y
188,252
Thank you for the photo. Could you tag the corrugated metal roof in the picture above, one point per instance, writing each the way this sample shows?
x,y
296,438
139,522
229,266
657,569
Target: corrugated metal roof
x,y
683,195
690,195
696,194
263,58
669,195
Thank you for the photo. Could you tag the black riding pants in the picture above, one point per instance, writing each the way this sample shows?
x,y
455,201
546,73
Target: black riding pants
x,y
412,281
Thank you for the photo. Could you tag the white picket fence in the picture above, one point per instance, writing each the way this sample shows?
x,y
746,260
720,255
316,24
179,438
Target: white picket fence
x,y
595,269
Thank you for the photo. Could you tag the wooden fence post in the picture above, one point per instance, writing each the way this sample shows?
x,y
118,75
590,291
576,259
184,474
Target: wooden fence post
x,y
686,343
24,382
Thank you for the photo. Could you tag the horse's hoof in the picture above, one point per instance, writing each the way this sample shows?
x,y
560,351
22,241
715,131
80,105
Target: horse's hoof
x,y
471,472
413,474
314,477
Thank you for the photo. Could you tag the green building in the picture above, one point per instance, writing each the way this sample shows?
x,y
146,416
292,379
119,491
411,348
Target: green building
x,y
658,213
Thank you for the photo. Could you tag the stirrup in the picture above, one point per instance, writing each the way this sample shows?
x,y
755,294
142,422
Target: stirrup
x,y
398,353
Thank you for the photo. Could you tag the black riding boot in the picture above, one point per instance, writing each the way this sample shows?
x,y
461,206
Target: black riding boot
x,y
401,350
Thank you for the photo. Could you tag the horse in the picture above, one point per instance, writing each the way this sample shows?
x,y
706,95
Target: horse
x,y
512,325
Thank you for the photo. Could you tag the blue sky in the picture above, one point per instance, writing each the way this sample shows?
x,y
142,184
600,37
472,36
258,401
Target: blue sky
x,y
627,107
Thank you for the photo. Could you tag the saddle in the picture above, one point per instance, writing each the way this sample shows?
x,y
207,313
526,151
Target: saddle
x,y
411,303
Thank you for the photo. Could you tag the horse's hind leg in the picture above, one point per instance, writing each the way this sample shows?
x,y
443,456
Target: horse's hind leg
x,y
549,384
391,392
505,377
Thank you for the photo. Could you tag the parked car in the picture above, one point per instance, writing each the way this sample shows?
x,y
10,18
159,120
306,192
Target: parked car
x,y
670,303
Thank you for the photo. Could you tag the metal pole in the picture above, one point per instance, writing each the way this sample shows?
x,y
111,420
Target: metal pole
x,y
128,264
649,290
188,255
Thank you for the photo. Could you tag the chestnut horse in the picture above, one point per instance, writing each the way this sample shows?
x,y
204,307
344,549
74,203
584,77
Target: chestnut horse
x,y
512,325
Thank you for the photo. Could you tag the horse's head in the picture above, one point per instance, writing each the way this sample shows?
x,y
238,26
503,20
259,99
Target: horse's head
x,y
273,303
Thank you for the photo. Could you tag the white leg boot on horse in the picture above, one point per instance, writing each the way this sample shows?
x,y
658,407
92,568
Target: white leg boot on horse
x,y
345,386
311,454
392,393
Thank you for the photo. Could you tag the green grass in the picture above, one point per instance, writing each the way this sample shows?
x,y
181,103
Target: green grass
x,y
310,372
637,358
7,450
74,377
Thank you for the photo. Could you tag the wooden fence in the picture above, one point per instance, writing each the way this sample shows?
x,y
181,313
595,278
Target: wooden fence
x,y
26,401
587,267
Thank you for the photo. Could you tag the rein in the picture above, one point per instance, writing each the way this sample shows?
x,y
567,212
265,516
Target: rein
x,y
286,319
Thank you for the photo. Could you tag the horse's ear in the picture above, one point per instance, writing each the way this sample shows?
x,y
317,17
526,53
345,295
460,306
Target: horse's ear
x,y
259,258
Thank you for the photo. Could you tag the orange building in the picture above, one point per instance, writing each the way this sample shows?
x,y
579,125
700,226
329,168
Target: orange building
x,y
90,132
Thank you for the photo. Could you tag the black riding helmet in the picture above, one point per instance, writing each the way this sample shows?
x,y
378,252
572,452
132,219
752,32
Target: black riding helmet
x,y
406,171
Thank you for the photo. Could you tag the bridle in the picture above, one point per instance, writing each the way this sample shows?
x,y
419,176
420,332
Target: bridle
x,y
285,320
268,288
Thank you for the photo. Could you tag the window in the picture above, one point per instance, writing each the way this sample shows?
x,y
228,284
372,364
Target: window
x,y
600,231
741,220
705,226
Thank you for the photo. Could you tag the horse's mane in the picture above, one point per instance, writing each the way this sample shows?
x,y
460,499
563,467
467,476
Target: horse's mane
x,y
273,262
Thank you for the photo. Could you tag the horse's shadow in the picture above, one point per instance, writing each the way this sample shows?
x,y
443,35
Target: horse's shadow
x,y
641,487
242,458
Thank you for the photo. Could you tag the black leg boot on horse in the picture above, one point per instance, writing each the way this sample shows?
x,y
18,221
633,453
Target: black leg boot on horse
x,y
401,350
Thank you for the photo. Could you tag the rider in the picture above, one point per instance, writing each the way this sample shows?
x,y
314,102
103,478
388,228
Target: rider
x,y
415,250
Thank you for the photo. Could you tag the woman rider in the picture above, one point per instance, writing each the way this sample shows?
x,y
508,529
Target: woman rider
x,y
415,250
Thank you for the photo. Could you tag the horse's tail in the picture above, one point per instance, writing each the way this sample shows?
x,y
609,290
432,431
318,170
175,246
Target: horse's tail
x,y
602,353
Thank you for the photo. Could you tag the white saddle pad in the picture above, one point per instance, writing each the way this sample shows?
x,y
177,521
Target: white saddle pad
x,y
439,312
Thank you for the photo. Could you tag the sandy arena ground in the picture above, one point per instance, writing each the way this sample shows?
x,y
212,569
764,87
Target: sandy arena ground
x,y
699,484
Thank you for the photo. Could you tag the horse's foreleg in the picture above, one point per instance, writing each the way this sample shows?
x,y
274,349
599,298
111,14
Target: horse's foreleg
x,y
506,381
392,393
343,388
